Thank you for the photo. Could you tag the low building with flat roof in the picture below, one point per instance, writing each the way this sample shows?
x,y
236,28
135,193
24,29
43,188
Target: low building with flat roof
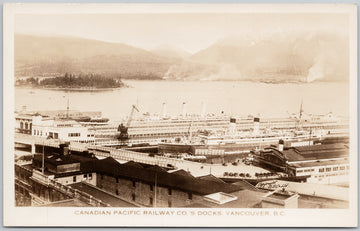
x,y
321,163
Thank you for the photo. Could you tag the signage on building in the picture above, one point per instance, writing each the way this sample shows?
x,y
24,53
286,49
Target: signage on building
x,y
273,185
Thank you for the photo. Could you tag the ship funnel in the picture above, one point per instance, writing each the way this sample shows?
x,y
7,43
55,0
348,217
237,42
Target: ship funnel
x,y
256,130
203,110
232,128
184,109
281,145
163,110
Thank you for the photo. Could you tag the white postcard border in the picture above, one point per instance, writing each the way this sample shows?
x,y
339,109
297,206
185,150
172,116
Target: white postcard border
x,y
16,216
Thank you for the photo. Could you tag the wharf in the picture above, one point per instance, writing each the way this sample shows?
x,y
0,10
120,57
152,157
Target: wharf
x,y
195,168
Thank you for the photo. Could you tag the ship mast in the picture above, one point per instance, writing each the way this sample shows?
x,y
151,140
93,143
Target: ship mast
x,y
300,115
67,109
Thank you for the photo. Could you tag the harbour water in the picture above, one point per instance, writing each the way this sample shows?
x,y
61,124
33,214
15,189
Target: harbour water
x,y
234,98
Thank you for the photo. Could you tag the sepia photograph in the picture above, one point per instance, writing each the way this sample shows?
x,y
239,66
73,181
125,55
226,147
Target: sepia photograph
x,y
204,111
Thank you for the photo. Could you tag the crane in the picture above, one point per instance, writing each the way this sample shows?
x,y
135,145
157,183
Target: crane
x,y
189,137
123,129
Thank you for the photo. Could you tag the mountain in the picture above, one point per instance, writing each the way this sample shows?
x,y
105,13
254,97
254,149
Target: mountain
x,y
276,57
269,57
171,52
35,55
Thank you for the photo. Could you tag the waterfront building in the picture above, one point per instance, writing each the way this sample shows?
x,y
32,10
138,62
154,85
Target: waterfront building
x,y
80,179
64,130
321,163
23,123
145,185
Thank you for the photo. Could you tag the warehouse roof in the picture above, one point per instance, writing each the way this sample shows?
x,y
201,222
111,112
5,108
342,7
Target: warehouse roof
x,y
56,159
320,163
316,152
110,166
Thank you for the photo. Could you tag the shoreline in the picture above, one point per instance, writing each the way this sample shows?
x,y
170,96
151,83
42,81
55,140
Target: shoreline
x,y
72,88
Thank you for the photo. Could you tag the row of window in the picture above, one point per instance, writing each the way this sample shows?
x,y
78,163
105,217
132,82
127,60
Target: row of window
x,y
151,200
53,135
85,177
27,126
37,133
342,168
329,169
64,125
21,190
332,174
74,134
134,184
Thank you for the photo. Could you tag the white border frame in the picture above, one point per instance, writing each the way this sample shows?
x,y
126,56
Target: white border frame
x,y
18,216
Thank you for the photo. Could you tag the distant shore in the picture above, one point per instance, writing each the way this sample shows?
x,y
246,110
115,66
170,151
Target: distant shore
x,y
70,88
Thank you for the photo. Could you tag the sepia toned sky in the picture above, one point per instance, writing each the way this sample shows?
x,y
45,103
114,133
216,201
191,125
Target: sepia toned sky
x,y
190,32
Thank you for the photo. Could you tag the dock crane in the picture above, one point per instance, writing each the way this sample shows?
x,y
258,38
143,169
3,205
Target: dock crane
x,y
123,129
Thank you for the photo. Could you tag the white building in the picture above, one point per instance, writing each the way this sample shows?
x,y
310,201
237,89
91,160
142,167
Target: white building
x,y
322,164
64,130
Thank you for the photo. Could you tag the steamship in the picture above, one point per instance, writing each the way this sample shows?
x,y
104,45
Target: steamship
x,y
211,130
234,141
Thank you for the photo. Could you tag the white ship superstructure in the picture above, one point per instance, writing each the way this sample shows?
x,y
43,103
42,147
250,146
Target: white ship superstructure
x,y
163,130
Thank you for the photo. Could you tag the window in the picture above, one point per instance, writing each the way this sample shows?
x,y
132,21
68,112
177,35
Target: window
x,y
151,201
117,180
74,178
190,196
56,135
117,192
133,183
342,168
335,168
169,191
85,176
169,204
133,197
321,170
328,169
90,176
151,187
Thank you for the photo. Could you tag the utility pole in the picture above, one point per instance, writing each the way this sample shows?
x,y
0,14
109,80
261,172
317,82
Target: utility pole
x,y
67,109
155,190
43,158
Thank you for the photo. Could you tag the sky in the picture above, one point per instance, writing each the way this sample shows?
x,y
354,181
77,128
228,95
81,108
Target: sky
x,y
189,32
